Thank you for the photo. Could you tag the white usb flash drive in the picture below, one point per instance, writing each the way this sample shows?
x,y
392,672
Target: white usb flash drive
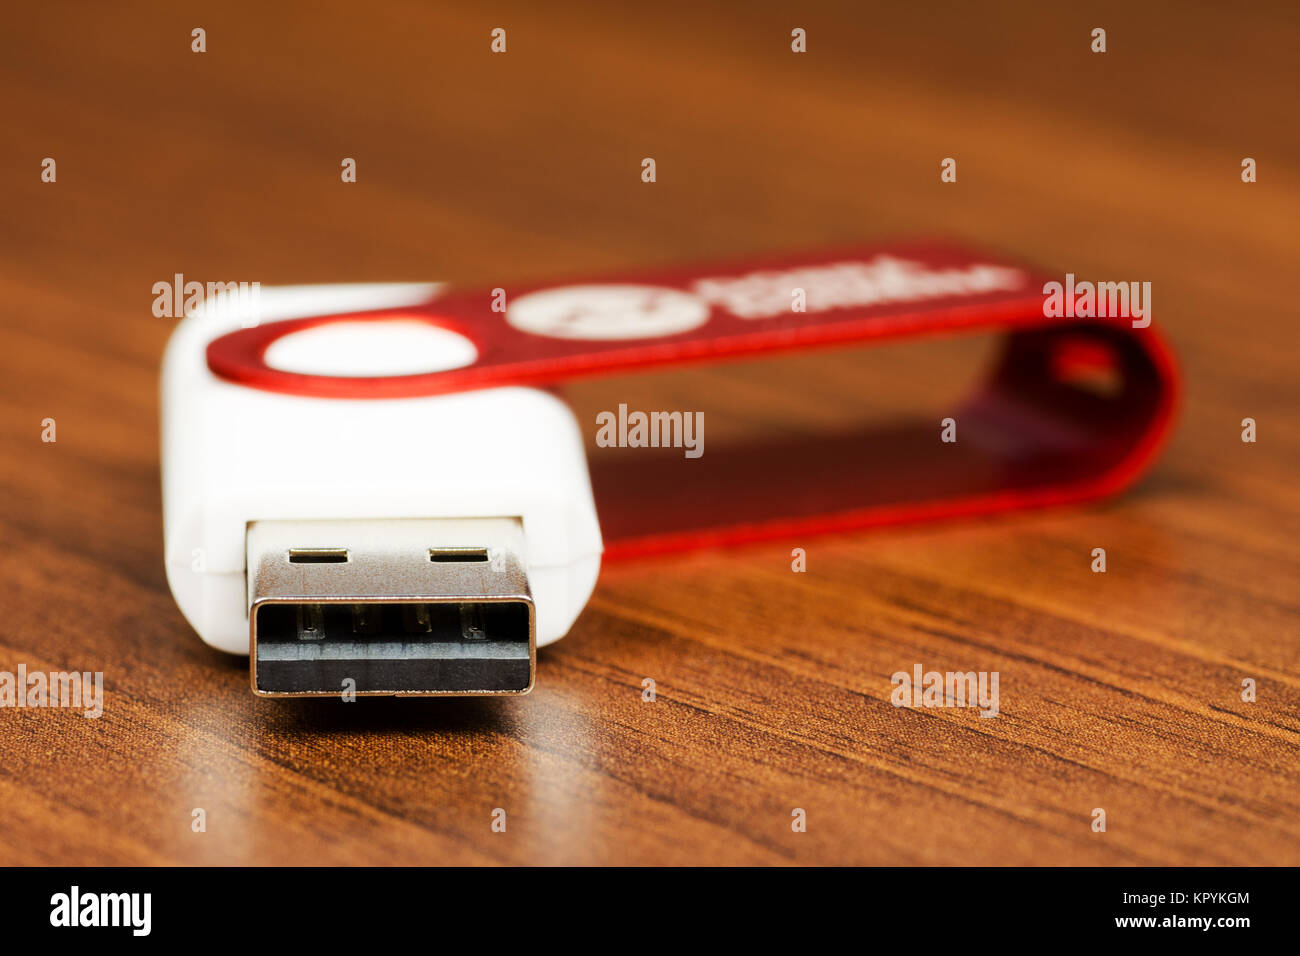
x,y
394,546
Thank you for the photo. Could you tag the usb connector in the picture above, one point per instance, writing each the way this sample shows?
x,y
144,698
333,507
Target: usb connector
x,y
389,607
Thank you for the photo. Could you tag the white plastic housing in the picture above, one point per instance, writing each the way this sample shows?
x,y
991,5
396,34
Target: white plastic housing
x,y
232,454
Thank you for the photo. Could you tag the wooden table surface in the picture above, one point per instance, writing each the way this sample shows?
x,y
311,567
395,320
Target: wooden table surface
x,y
1119,691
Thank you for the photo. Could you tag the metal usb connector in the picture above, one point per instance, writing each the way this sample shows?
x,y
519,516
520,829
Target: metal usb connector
x,y
389,607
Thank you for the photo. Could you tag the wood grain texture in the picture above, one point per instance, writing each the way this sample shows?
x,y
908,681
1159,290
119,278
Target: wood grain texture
x,y
1119,691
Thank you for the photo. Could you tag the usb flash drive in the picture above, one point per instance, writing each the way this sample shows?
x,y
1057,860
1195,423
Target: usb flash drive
x,y
366,489
421,545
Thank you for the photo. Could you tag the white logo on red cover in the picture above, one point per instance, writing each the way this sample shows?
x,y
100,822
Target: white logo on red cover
x,y
607,312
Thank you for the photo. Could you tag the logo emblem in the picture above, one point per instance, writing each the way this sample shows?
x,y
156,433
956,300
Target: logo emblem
x,y
605,312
